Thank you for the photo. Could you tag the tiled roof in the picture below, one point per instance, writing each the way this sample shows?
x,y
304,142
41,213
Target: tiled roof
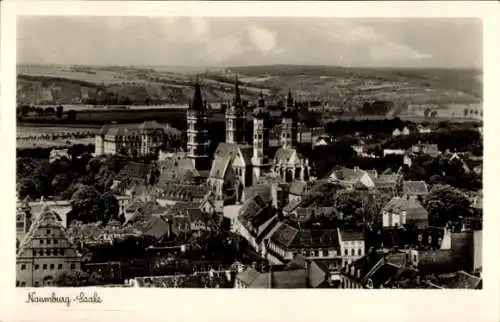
x,y
178,168
366,263
261,190
315,238
112,130
219,166
231,150
218,279
248,276
133,170
351,236
298,188
284,234
46,219
253,213
289,279
413,208
182,192
415,187
462,280
283,155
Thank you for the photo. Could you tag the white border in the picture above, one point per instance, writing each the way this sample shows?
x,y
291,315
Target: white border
x,y
187,305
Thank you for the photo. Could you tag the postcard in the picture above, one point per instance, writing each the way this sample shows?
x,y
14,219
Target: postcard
x,y
162,148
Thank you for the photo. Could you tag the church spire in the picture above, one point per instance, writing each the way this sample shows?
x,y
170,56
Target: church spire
x,y
237,96
261,101
197,102
289,100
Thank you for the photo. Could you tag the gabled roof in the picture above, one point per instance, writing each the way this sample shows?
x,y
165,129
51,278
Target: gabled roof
x,y
46,219
149,125
463,280
298,187
351,236
292,237
231,150
133,170
415,187
414,209
178,168
254,214
284,155
261,190
220,166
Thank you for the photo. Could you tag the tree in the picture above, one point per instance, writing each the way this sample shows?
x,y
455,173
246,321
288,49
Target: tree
x,y
427,111
86,204
61,182
434,114
446,204
349,203
466,112
59,111
27,187
75,278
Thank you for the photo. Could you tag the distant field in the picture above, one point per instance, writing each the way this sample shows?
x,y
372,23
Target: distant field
x,y
52,143
73,86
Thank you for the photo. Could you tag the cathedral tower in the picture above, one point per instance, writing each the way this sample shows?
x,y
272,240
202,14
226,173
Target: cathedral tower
x,y
197,130
289,124
260,137
236,118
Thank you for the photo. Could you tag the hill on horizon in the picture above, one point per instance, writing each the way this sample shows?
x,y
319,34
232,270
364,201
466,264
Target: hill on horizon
x,y
38,84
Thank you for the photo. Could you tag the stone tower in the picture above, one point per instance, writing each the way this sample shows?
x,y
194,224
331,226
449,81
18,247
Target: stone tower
x,y
289,124
260,137
236,118
197,130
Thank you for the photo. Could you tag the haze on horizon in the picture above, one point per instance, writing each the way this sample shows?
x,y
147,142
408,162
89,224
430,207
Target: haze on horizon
x,y
222,42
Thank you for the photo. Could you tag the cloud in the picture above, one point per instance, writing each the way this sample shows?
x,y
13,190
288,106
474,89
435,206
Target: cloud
x,y
381,49
264,40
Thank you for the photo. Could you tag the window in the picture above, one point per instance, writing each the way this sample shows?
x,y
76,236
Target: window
x,y
37,266
352,252
61,252
346,252
325,252
72,266
48,231
55,241
41,241
17,283
23,284
59,266
34,252
44,266
48,241
51,266
359,251
23,267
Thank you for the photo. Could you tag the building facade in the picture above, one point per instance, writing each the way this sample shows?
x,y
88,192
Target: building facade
x,y
45,252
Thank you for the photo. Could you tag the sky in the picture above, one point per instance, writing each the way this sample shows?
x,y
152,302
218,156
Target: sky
x,y
239,41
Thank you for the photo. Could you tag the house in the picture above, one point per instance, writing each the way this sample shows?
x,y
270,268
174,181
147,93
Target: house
x,y
352,246
415,189
387,182
428,149
322,140
176,168
404,131
456,253
255,221
393,152
58,154
297,189
402,211
169,194
423,129
319,244
460,280
308,274
45,251
352,178
140,210
378,269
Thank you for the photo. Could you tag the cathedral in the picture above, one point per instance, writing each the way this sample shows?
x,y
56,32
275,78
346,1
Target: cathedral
x,y
237,163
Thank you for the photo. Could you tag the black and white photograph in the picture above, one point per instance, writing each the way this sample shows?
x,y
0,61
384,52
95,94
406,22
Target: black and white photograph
x,y
249,152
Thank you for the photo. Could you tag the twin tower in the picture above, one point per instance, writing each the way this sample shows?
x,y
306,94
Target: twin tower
x,y
235,119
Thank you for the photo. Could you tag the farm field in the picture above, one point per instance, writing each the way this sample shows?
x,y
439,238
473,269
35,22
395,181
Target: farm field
x,y
156,88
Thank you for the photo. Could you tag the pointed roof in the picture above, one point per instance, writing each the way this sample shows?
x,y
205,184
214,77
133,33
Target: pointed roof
x,y
261,110
289,99
237,95
197,101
